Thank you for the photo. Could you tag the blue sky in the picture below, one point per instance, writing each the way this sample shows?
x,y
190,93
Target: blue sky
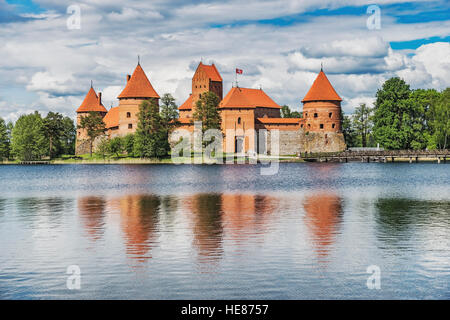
x,y
279,44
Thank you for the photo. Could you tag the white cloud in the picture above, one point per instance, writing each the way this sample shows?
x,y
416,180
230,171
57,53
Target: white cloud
x,y
57,64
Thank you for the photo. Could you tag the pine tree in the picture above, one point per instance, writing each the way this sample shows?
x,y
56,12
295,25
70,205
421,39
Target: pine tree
x,y
207,111
152,135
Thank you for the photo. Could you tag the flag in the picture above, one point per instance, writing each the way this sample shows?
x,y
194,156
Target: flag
x,y
239,71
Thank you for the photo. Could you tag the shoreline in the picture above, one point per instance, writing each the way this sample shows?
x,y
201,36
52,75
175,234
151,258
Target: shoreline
x,y
192,162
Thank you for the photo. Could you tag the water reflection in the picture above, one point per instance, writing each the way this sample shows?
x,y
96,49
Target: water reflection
x,y
205,211
247,215
35,210
92,214
323,216
398,217
139,220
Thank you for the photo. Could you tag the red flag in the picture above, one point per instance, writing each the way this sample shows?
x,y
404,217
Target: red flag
x,y
239,71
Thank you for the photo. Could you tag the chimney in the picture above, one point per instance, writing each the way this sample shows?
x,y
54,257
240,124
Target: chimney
x,y
128,78
99,98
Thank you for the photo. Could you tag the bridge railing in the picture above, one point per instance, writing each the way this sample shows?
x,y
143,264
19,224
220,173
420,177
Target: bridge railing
x,y
381,153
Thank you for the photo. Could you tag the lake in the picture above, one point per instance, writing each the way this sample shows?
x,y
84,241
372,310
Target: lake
x,y
311,231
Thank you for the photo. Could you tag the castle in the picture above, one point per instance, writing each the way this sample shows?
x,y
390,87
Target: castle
x,y
245,113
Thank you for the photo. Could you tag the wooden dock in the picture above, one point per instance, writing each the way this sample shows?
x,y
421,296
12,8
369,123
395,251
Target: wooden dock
x,y
380,156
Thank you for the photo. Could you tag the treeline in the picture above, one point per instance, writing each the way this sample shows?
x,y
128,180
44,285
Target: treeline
x,y
33,137
401,118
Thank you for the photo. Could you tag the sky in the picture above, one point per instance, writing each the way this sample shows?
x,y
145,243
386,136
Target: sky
x,y
280,45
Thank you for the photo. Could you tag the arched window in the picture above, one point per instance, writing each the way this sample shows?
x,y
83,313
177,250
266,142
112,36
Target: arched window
x,y
239,120
333,125
128,114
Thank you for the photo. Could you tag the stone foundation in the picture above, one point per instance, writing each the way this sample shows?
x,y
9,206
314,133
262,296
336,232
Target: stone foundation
x,y
300,141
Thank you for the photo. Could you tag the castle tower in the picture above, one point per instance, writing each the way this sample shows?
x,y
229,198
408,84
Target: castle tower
x,y
137,90
322,107
91,103
206,79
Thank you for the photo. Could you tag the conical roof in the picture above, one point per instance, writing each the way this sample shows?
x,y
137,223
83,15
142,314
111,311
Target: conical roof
x,y
138,86
91,103
321,90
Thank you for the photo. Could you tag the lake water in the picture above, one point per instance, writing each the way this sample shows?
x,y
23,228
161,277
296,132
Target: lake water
x,y
225,232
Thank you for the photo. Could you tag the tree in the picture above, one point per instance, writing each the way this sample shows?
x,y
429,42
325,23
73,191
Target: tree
x,y
53,128
4,141
68,137
287,113
207,111
349,132
28,140
169,110
398,119
438,119
94,126
151,138
103,147
128,144
362,123
116,146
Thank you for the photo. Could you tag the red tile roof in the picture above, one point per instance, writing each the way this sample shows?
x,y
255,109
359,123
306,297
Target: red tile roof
x,y
211,71
138,86
187,105
280,120
91,103
321,90
247,98
111,119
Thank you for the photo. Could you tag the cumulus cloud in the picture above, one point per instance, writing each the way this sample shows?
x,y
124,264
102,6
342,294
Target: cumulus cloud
x,y
56,65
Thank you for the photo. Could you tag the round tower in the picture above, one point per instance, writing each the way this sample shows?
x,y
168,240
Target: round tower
x,y
322,107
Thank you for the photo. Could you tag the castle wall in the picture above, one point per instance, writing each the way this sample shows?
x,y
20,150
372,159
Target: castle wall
x,y
300,141
128,115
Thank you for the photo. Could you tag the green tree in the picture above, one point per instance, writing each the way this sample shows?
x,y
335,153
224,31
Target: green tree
x,y
68,137
207,111
362,123
287,113
4,141
398,119
168,110
116,146
151,138
349,132
438,120
103,147
94,126
28,138
128,144
53,128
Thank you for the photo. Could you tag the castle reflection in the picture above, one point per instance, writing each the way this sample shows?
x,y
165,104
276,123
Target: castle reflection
x,y
323,216
92,214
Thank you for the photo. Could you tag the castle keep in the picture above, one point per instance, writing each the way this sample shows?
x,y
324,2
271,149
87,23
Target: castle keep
x,y
250,118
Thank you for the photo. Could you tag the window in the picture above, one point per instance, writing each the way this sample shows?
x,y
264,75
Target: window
x,y
301,126
128,114
306,114
130,126
309,125
321,126
333,125
315,115
239,120
330,114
